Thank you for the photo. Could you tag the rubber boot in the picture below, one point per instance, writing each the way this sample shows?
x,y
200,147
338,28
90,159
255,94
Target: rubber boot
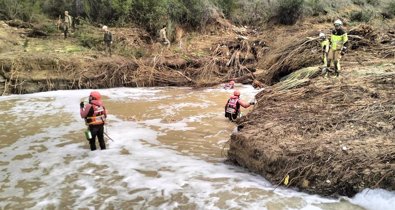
x,y
336,68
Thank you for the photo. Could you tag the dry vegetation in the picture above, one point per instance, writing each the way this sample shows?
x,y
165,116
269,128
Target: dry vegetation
x,y
50,63
332,136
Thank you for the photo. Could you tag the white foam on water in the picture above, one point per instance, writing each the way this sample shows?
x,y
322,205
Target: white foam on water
x,y
180,126
374,199
247,91
136,166
176,107
147,94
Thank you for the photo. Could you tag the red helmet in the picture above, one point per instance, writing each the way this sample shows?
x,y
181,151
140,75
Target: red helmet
x,y
95,95
236,93
232,82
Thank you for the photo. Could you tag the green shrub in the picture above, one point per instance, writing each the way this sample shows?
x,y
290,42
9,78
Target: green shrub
x,y
289,11
390,9
228,7
192,13
19,9
150,14
90,41
252,12
362,16
315,7
373,2
359,2
54,8
49,28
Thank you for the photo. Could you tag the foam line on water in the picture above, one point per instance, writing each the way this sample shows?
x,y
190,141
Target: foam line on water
x,y
373,199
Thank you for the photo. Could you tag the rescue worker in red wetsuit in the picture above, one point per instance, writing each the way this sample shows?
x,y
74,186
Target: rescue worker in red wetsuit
x,y
230,85
232,107
95,115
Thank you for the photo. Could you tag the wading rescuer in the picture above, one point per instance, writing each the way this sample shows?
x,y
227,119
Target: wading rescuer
x,y
229,85
232,107
95,115
338,47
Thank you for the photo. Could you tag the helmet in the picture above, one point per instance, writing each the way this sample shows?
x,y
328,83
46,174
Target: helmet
x,y
95,95
236,93
105,27
338,22
322,35
232,82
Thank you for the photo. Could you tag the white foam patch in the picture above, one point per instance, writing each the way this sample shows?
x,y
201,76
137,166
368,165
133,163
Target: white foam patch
x,y
180,126
147,94
174,108
373,199
245,90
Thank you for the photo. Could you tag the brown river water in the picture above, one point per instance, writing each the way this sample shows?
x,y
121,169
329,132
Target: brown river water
x,y
168,151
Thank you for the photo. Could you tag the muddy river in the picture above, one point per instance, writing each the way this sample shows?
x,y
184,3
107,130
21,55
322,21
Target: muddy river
x,y
168,151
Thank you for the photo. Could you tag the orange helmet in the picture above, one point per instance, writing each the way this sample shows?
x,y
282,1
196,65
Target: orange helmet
x,y
95,95
236,93
232,82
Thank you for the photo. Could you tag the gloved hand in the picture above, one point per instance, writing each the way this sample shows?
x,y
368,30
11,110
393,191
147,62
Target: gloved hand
x,y
82,105
343,51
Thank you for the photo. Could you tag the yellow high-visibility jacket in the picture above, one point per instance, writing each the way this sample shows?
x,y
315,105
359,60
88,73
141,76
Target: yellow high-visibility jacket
x,y
338,39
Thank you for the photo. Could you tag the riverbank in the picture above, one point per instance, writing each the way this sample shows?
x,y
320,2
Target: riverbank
x,y
32,63
330,136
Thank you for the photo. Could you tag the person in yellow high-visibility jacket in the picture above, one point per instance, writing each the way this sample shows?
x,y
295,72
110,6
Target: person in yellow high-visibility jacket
x,y
324,47
338,47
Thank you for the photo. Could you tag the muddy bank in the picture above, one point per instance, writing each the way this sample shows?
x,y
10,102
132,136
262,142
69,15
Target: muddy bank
x,y
329,136
34,63
52,63
45,72
29,73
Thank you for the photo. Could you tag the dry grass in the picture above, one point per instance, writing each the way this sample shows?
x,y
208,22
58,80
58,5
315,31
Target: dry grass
x,y
333,134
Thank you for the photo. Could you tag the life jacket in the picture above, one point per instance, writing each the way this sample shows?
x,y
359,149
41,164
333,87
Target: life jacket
x,y
338,39
96,115
228,86
232,105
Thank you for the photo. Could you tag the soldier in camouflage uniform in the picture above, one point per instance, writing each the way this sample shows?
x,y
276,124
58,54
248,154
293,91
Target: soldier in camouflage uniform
x,y
68,21
107,40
